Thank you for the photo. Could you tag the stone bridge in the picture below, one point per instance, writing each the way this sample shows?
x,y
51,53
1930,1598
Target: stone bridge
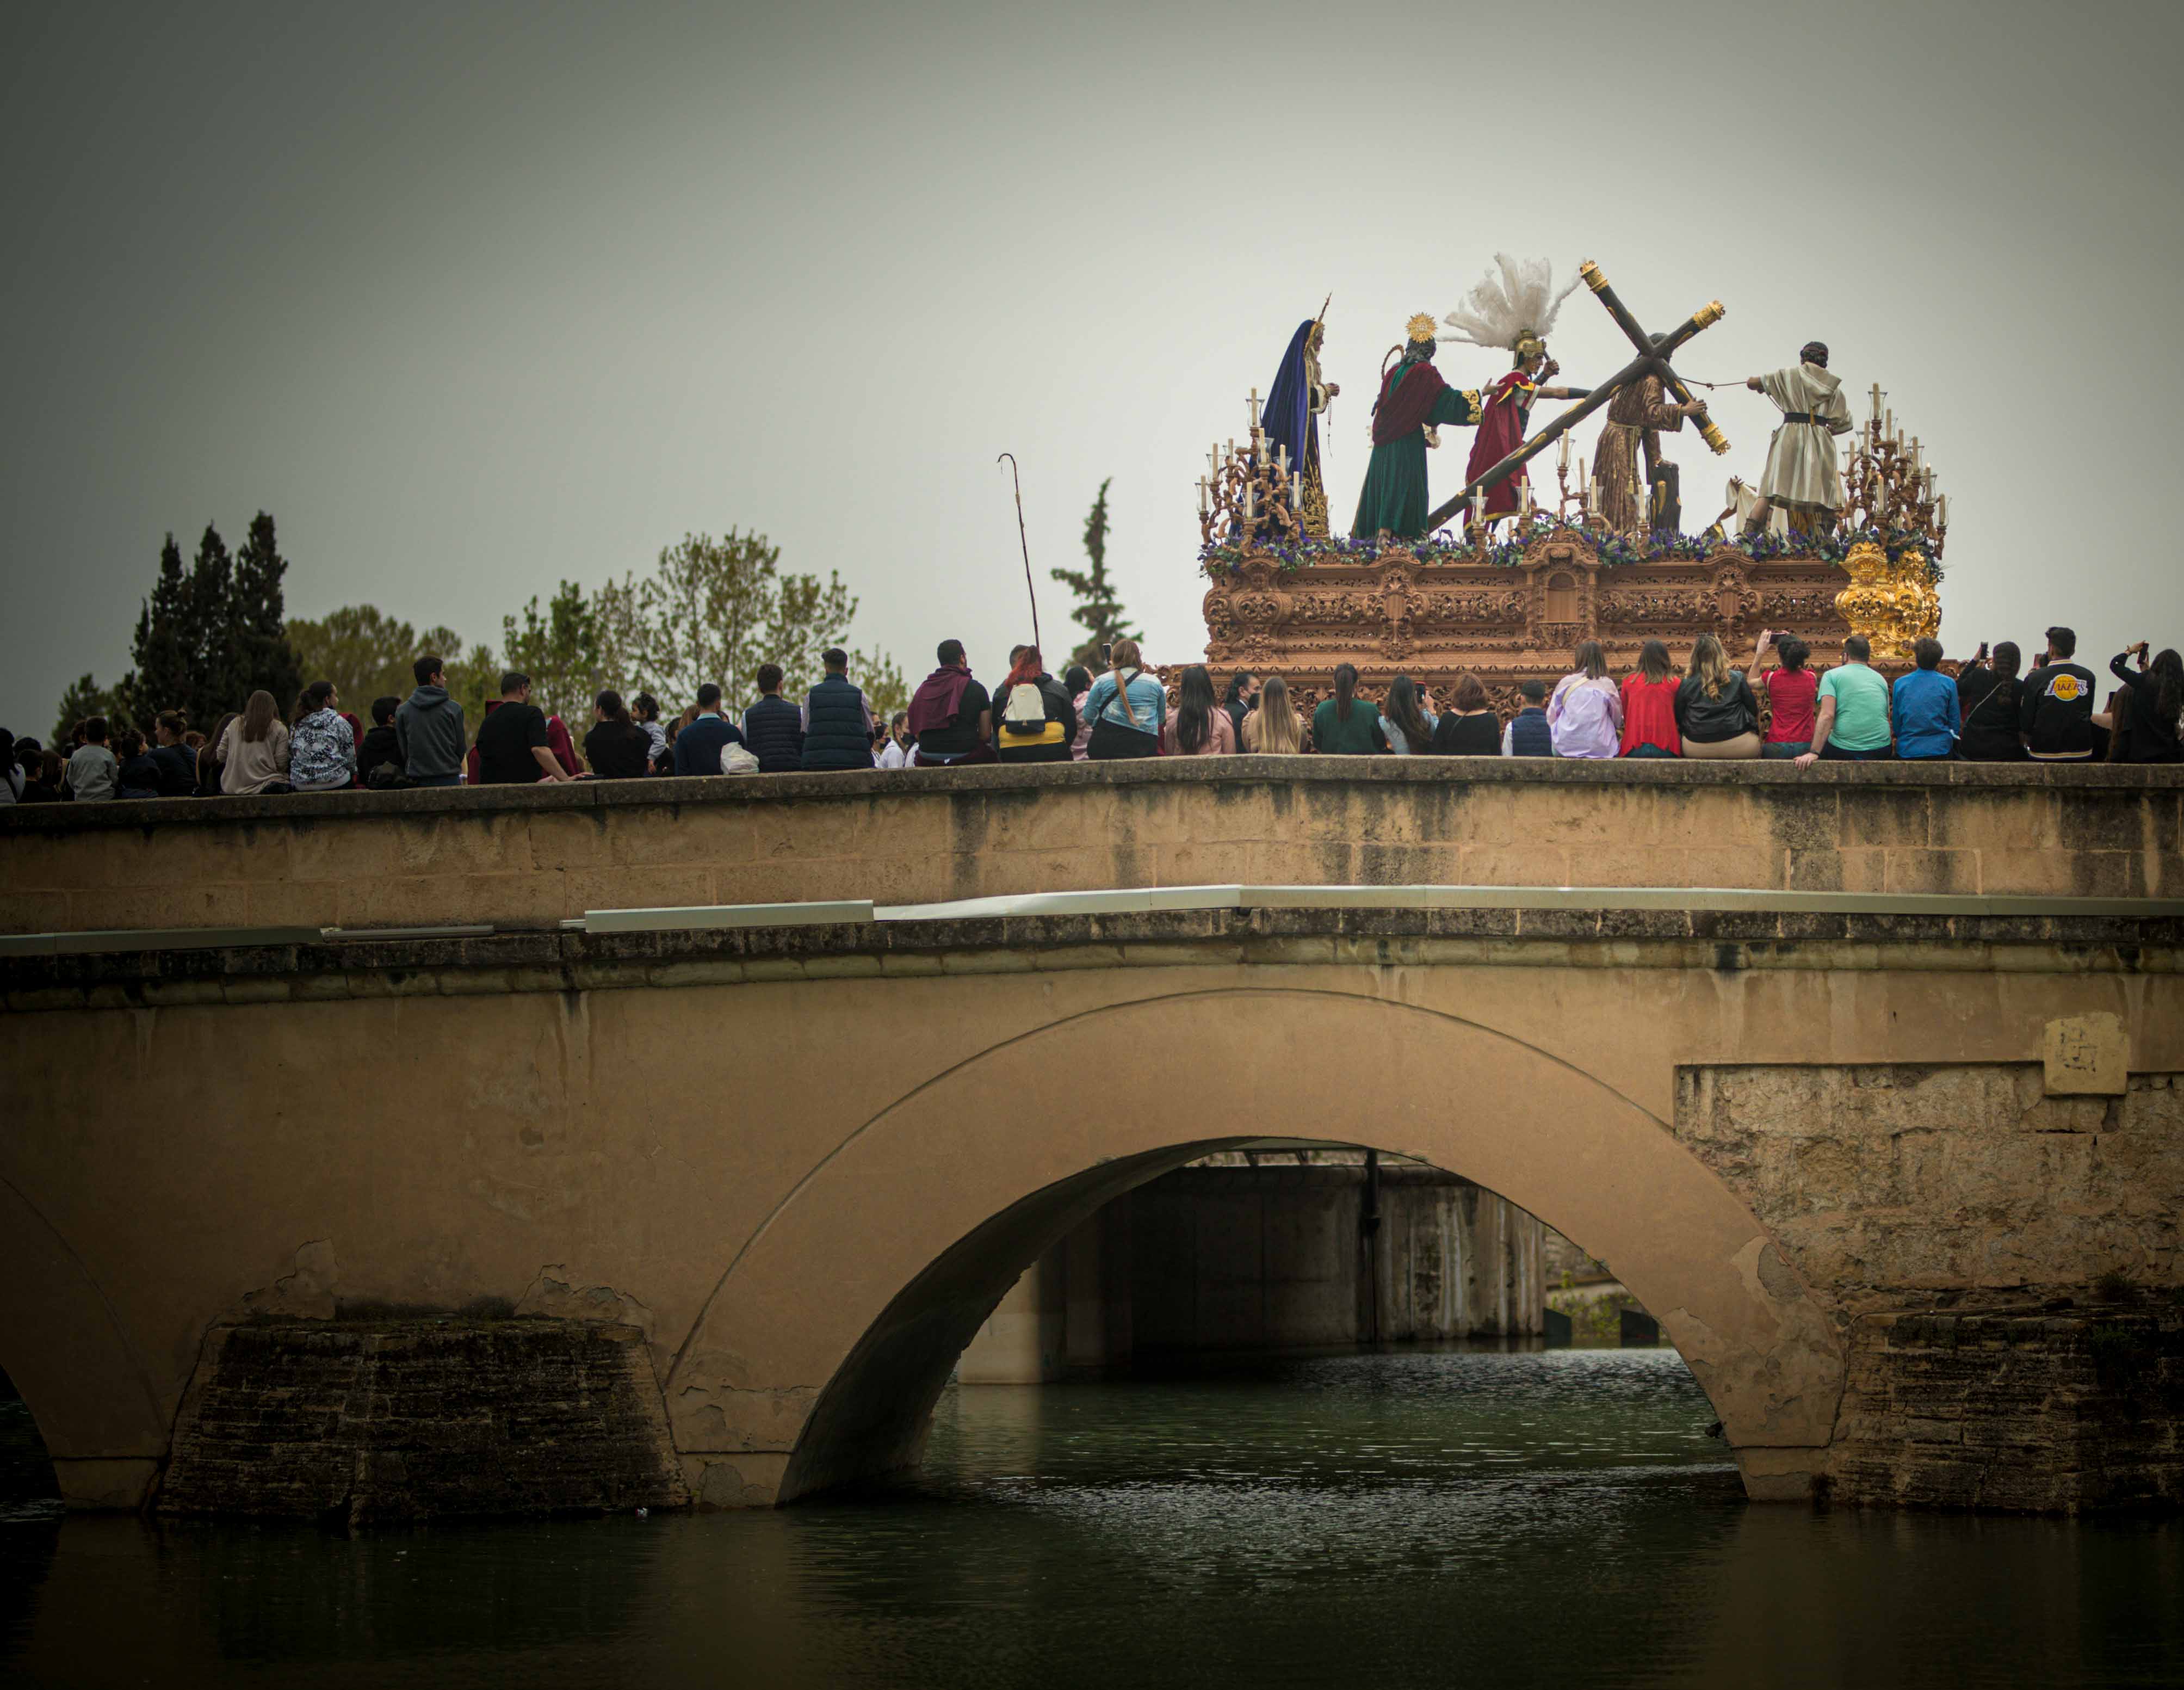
x,y
1848,1076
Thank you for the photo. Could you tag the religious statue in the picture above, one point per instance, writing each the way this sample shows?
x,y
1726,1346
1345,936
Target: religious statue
x,y
1801,476
1293,405
1637,416
1511,310
1413,401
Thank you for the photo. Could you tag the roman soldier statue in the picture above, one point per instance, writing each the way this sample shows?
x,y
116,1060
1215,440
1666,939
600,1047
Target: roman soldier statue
x,y
1414,401
1801,478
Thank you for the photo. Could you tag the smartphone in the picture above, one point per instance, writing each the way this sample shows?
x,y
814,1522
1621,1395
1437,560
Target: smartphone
x,y
1107,655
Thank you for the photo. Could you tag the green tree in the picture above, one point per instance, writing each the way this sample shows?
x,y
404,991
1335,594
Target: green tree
x,y
84,698
258,619
716,610
219,680
368,654
1098,610
165,647
562,651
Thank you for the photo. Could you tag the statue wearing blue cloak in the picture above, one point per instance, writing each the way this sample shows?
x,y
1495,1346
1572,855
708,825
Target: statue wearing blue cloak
x,y
1294,404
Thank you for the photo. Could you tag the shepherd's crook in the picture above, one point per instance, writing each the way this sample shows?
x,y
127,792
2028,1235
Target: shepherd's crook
x,y
1024,542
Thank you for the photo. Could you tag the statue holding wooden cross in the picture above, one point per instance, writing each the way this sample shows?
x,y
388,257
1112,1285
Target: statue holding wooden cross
x,y
1636,393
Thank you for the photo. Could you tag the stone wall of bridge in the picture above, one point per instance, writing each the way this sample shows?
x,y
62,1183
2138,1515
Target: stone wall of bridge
x,y
517,856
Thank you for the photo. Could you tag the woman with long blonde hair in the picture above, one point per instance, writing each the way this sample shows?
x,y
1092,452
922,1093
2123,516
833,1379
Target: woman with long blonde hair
x,y
1272,728
1716,713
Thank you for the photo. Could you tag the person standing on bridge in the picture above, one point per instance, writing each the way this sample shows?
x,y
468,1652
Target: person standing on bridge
x,y
699,742
773,727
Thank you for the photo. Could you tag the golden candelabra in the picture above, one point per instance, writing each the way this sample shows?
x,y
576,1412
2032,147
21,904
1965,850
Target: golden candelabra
x,y
1251,493
1889,488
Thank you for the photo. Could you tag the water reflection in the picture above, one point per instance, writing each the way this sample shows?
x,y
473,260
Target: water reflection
x,y
1412,1518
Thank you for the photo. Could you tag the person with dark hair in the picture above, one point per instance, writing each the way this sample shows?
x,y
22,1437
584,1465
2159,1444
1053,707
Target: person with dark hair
x,y
837,723
1584,713
12,777
1851,723
1649,706
429,727
1243,693
1987,690
253,751
700,741
896,753
1527,734
321,751
513,747
1468,726
1125,709
1077,681
1789,692
951,716
1929,714
139,775
382,746
1199,727
42,774
2150,725
177,764
94,773
615,747
644,711
1346,725
1407,718
2055,704
773,727
1032,716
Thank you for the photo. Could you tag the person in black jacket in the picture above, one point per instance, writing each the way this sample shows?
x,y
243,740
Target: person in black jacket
x,y
837,724
1037,727
2157,697
1716,714
616,748
1987,687
382,743
2055,704
1243,698
773,727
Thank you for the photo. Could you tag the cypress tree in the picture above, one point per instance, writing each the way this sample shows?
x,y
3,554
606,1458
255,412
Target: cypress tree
x,y
259,618
1098,611
164,677
218,685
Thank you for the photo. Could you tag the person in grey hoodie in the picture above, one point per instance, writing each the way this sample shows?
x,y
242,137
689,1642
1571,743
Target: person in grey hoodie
x,y
429,727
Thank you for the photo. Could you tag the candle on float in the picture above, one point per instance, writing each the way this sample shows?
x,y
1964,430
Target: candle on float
x,y
1251,502
1565,462
1255,410
1877,401
1592,496
1204,508
1942,510
1283,459
1296,490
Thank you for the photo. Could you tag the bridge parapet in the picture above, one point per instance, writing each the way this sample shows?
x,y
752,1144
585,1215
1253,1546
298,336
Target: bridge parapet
x,y
531,857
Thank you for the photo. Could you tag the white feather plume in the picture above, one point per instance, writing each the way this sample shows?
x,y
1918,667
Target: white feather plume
x,y
1516,295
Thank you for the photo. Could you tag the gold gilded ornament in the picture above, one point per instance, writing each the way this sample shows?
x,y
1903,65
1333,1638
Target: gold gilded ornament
x,y
1421,329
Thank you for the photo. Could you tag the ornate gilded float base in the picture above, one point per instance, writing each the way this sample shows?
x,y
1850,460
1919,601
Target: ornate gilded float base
x,y
1391,614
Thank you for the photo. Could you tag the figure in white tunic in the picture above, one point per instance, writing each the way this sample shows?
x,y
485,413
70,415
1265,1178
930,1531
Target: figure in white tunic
x,y
1801,478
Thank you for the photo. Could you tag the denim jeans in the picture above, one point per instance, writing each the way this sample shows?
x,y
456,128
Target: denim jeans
x,y
1782,750
1647,751
435,780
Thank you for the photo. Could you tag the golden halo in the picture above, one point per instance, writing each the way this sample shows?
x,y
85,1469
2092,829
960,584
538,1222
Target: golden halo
x,y
1422,328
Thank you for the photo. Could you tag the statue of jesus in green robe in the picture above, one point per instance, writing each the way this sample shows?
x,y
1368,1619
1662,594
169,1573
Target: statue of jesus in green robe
x,y
1413,400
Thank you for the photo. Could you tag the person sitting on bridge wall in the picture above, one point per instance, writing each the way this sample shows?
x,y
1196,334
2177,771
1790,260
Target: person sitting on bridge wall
x,y
1789,692
1929,716
1649,705
951,716
1125,709
430,728
1584,712
1528,734
1033,718
1346,725
2150,723
1273,728
1716,713
1986,690
1199,727
1851,723
700,741
2055,704
1468,727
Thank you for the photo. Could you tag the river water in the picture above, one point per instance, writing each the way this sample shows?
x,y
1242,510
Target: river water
x,y
1427,1516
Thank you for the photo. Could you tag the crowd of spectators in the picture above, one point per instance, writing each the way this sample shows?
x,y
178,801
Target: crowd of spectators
x,y
1778,706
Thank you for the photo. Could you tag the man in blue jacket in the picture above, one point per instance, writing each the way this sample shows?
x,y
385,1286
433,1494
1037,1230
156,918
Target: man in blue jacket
x,y
698,747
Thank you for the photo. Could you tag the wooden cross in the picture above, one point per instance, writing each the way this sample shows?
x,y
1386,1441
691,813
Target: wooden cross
x,y
1652,360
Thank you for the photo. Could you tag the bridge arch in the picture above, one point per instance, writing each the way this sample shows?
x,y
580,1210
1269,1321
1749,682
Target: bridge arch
x,y
818,1358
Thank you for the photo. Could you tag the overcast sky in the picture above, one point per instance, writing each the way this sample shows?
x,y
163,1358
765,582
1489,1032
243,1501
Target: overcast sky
x,y
474,298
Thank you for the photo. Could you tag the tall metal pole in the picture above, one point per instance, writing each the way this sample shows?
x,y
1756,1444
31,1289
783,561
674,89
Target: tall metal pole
x,y
1025,543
